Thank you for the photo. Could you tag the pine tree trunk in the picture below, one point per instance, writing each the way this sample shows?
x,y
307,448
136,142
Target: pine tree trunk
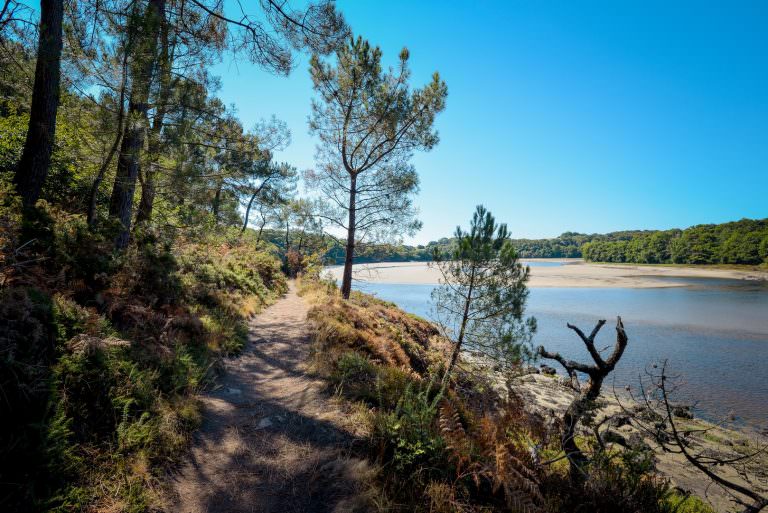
x,y
248,213
462,331
217,202
128,164
41,134
147,200
261,230
94,192
571,418
149,183
346,283
250,205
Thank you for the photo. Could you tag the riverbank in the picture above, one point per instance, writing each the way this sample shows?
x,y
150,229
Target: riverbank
x,y
560,273
376,356
550,396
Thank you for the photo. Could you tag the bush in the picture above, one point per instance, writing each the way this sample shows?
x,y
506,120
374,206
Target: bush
x,y
468,447
407,435
100,361
614,485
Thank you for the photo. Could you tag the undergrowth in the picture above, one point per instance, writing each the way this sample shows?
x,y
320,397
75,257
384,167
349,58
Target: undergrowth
x,y
468,447
101,354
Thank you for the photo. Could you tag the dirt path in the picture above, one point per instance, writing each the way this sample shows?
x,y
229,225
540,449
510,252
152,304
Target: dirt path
x,y
272,440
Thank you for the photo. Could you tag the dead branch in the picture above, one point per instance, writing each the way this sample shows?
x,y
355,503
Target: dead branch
x,y
590,392
656,417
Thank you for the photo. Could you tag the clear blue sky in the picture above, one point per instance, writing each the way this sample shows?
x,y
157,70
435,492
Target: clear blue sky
x,y
566,116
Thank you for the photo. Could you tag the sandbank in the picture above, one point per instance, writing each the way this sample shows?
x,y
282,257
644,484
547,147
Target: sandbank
x,y
572,273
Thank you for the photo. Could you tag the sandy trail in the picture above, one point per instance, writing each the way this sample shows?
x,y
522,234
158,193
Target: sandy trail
x,y
272,440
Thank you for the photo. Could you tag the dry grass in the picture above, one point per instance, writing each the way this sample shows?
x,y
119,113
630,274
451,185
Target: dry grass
x,y
375,328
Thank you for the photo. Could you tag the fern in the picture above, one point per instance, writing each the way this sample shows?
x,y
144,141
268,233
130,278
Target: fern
x,y
452,430
485,454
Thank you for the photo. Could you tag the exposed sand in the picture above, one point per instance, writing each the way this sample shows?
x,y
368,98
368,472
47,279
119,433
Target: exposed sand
x,y
573,273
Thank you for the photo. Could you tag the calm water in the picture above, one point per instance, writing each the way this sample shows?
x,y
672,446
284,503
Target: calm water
x,y
714,333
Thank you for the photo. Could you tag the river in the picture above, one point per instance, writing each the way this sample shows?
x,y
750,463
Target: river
x,y
712,331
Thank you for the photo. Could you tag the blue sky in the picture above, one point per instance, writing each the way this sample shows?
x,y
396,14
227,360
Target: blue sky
x,y
566,116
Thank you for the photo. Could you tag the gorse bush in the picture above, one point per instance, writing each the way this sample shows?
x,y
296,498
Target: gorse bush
x,y
209,269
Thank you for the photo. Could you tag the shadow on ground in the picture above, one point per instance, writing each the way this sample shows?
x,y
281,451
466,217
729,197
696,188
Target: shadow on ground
x,y
272,439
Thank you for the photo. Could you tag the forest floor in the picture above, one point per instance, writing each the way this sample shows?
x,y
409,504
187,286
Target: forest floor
x,y
273,439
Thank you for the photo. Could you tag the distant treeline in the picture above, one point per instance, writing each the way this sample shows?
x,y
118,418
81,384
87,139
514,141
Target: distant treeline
x,y
738,242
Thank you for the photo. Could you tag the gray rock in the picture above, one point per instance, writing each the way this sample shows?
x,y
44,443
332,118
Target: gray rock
x,y
619,421
546,369
612,437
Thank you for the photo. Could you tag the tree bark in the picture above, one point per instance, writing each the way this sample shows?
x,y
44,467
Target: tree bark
x,y
462,330
148,184
597,373
248,213
217,201
261,230
94,192
576,459
248,208
41,133
129,164
346,283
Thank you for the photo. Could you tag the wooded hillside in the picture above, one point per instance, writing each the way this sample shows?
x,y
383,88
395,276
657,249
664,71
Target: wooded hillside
x,y
738,242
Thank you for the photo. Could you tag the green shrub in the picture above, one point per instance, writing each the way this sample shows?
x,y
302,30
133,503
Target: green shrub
x,y
230,268
677,502
155,273
408,437
98,371
353,367
612,485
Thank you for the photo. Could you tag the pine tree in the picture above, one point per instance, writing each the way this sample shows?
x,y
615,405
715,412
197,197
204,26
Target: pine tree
x,y
370,123
481,300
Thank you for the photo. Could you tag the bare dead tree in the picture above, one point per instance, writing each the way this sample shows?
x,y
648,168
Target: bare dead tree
x,y
655,414
589,393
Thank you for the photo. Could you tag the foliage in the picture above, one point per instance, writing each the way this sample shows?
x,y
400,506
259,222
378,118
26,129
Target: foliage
x,y
481,298
739,242
614,485
406,433
468,447
101,353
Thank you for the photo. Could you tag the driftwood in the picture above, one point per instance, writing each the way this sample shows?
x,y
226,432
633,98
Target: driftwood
x,y
588,393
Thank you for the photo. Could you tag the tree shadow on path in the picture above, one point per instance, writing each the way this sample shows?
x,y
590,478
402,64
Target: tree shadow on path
x,y
272,439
